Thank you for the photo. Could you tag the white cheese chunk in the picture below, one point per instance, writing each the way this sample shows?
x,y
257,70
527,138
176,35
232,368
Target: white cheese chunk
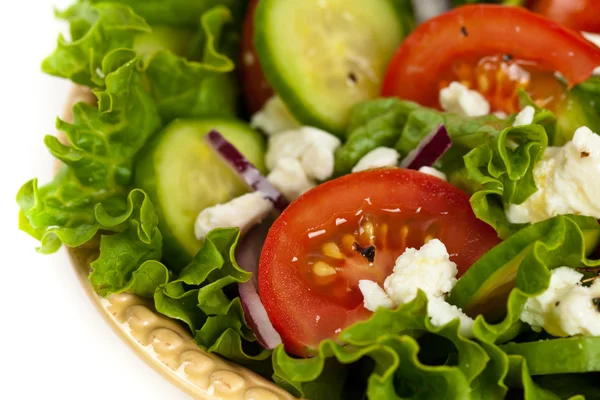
x,y
525,117
313,152
441,312
274,118
433,172
428,269
536,309
377,158
460,100
374,296
566,308
243,212
568,181
289,178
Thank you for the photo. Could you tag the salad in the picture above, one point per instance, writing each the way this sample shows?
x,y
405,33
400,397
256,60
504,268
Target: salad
x,y
354,199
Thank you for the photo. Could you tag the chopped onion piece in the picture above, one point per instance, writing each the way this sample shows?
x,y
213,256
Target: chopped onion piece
x,y
247,256
245,169
429,150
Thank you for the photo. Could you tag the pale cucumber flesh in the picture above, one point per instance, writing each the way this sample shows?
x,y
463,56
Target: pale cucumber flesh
x,y
324,56
183,175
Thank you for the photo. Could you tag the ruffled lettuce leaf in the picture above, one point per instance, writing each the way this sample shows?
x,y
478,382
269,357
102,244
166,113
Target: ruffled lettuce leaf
x,y
501,172
390,339
122,254
179,13
95,31
500,282
103,141
200,298
98,160
402,124
207,87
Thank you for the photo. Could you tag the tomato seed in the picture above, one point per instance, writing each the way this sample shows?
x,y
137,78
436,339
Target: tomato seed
x,y
332,250
321,268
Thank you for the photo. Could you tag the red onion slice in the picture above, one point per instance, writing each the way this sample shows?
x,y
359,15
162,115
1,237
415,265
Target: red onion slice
x,y
429,150
247,256
245,169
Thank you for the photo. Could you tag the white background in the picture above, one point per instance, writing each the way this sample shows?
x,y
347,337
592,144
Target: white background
x,y
53,343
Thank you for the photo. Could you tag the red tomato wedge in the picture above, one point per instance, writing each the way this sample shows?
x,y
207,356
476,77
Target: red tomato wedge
x,y
354,228
493,49
581,15
256,88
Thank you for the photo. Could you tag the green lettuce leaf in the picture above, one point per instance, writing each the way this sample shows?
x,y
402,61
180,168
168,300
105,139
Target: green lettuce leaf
x,y
500,282
183,88
199,298
96,31
402,124
390,339
519,378
581,108
103,140
122,254
98,160
179,13
502,171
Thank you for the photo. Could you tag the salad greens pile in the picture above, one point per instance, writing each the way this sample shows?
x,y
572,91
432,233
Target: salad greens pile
x,y
150,62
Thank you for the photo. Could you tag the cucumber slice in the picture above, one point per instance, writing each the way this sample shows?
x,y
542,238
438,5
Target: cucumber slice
x,y
182,176
324,56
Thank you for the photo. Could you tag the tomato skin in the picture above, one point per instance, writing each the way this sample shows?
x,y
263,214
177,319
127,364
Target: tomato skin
x,y
581,15
480,31
302,317
255,86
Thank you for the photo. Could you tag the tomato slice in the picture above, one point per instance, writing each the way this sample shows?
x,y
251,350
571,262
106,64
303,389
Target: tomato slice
x,y
255,86
354,228
494,49
581,15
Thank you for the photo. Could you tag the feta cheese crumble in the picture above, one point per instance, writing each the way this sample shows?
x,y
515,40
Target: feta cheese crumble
x,y
429,269
312,148
460,100
566,308
274,117
244,212
289,178
525,117
433,172
377,158
568,181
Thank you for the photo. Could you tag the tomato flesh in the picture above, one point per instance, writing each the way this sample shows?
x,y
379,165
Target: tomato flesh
x,y
473,38
256,89
500,78
318,249
582,15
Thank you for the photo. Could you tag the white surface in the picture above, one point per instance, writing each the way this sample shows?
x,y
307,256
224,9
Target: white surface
x,y
38,361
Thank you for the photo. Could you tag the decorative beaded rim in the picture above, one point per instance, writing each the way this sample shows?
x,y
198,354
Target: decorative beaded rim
x,y
162,343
